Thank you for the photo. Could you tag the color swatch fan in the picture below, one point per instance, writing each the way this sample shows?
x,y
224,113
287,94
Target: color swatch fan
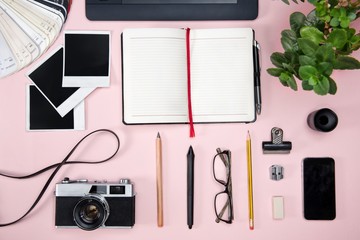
x,y
27,29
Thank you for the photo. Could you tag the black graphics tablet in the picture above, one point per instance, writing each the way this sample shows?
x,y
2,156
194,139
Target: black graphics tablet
x,y
110,10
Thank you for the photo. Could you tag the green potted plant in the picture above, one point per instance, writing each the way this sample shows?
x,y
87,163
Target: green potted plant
x,y
317,44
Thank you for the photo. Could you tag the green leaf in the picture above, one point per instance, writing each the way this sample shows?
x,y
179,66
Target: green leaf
x,y
313,34
342,12
307,46
306,60
355,42
287,44
325,68
284,76
346,62
325,53
292,56
289,40
314,21
297,20
289,34
313,80
335,12
352,16
313,1
321,9
345,22
307,71
351,33
284,83
326,18
288,80
306,86
278,59
334,22
289,68
323,86
338,38
292,83
346,50
275,71
355,39
333,87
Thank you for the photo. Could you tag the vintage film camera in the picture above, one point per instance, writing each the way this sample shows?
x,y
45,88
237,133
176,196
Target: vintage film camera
x,y
90,205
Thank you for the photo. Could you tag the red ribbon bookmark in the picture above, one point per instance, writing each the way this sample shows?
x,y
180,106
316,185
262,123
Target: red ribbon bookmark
x,y
192,130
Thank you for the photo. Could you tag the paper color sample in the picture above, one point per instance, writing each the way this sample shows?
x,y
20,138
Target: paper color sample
x,y
47,76
41,116
39,37
59,8
27,29
8,63
87,59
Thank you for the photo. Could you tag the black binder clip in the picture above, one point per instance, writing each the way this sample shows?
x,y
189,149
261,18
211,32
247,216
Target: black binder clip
x,y
277,145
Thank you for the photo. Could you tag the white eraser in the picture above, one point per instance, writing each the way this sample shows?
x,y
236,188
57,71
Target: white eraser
x,y
278,207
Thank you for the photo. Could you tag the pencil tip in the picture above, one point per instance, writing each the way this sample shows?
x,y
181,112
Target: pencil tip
x,y
158,135
191,150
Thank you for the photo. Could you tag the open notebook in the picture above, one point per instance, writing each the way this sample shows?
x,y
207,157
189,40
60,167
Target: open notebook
x,y
155,82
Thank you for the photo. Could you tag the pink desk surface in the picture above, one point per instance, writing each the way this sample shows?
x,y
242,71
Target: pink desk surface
x,y
25,152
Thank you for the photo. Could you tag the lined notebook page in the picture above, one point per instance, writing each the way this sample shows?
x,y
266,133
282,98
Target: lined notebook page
x,y
154,76
222,75
155,80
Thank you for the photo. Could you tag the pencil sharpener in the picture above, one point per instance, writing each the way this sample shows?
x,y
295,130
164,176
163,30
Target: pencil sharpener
x,y
276,145
276,172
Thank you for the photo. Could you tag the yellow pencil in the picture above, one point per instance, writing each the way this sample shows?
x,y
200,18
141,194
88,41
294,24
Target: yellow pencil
x,y
250,187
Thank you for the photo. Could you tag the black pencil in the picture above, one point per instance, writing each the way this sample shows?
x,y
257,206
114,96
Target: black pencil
x,y
190,187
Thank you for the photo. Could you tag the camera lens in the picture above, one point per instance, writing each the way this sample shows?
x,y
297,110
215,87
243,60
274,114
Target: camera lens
x,y
91,212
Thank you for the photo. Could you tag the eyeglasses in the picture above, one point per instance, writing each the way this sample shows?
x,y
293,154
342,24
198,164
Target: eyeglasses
x,y
223,202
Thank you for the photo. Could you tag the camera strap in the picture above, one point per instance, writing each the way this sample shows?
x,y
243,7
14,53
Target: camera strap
x,y
57,167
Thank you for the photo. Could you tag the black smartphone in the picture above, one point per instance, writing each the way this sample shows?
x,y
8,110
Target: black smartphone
x,y
319,188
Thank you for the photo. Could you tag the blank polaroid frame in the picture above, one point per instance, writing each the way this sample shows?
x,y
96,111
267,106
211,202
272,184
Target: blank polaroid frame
x,y
87,59
48,76
41,116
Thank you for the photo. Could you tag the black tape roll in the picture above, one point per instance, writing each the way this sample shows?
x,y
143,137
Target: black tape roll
x,y
324,120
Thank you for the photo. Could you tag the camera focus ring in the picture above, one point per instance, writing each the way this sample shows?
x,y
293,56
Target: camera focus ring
x,y
91,212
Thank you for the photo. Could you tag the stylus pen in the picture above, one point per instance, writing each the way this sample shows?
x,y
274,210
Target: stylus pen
x,y
159,187
190,187
257,70
250,186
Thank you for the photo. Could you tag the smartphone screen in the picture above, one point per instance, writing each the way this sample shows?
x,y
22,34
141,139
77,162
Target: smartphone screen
x,y
319,188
